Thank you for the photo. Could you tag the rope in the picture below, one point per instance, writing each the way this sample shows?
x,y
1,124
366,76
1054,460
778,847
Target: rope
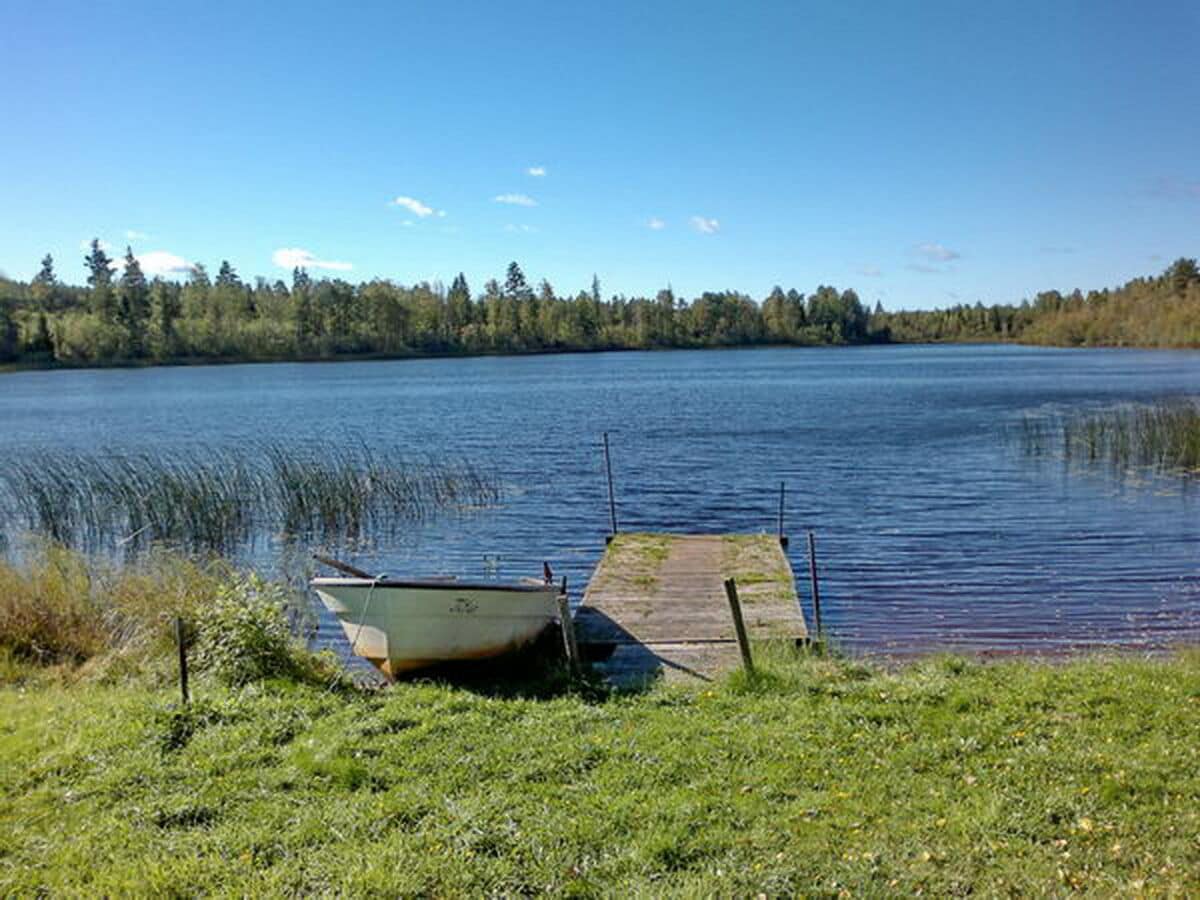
x,y
366,609
362,620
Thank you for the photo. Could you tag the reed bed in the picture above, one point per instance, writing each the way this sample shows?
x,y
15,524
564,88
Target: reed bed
x,y
218,499
1163,436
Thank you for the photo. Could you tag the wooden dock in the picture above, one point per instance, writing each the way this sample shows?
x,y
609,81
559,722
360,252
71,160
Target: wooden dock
x,y
658,603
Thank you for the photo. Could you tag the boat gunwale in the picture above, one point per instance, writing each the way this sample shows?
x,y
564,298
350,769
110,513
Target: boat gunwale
x,y
440,584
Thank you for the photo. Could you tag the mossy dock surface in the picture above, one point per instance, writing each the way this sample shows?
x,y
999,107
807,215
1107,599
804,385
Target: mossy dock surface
x,y
658,601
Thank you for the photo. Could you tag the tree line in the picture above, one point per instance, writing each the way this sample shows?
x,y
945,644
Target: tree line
x,y
121,316
1154,311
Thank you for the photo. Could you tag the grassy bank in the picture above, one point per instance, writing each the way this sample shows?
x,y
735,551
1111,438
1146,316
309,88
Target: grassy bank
x,y
821,776
825,778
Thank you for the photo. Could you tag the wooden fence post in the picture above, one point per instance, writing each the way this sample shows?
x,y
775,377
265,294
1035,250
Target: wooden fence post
x,y
739,626
181,640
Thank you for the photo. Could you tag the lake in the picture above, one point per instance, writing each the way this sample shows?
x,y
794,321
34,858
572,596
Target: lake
x,y
934,530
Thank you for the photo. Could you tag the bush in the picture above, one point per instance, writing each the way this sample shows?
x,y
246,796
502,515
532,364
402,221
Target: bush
x,y
244,636
100,621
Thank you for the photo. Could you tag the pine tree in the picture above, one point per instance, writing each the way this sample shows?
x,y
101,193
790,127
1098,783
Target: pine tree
x,y
1181,273
515,285
134,306
99,265
166,307
305,325
458,303
45,284
227,276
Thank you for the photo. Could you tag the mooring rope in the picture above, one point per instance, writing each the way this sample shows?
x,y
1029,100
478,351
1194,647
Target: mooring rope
x,y
362,620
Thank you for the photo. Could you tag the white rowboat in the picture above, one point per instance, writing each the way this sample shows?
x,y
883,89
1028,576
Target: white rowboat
x,y
402,625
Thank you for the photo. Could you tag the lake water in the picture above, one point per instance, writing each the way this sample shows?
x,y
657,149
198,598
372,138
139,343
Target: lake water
x,y
934,530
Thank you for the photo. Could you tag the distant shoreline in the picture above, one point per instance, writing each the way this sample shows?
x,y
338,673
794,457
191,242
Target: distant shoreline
x,y
203,362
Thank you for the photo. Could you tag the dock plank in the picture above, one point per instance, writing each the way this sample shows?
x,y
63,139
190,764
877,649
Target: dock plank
x,y
658,600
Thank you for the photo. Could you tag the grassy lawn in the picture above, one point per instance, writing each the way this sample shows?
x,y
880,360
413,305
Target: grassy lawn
x,y
823,777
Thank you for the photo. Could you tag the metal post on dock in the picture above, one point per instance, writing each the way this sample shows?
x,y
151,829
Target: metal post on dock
x,y
181,640
739,626
612,500
816,588
568,628
783,541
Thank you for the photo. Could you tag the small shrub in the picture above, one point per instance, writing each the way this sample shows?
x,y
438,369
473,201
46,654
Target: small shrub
x,y
243,636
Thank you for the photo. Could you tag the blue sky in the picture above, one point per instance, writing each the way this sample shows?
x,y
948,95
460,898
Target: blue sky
x,y
923,153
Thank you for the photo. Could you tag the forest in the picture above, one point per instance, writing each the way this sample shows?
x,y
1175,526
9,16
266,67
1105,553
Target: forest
x,y
121,317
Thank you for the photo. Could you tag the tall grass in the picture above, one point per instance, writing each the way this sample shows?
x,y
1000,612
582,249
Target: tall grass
x,y
219,499
61,608
1163,436
93,619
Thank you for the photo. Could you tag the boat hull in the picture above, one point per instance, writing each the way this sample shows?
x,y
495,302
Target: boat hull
x,y
402,626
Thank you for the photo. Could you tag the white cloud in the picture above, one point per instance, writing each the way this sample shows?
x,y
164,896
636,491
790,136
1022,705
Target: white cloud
x,y
132,235
160,262
515,199
705,226
294,257
536,171
656,223
525,229
937,252
416,207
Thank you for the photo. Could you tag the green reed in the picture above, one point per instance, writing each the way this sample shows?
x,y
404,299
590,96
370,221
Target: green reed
x,y
1164,436
221,498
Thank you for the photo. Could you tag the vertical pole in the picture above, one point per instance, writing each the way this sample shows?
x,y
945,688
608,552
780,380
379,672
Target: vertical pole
x,y
739,626
612,501
816,588
568,627
181,640
783,541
